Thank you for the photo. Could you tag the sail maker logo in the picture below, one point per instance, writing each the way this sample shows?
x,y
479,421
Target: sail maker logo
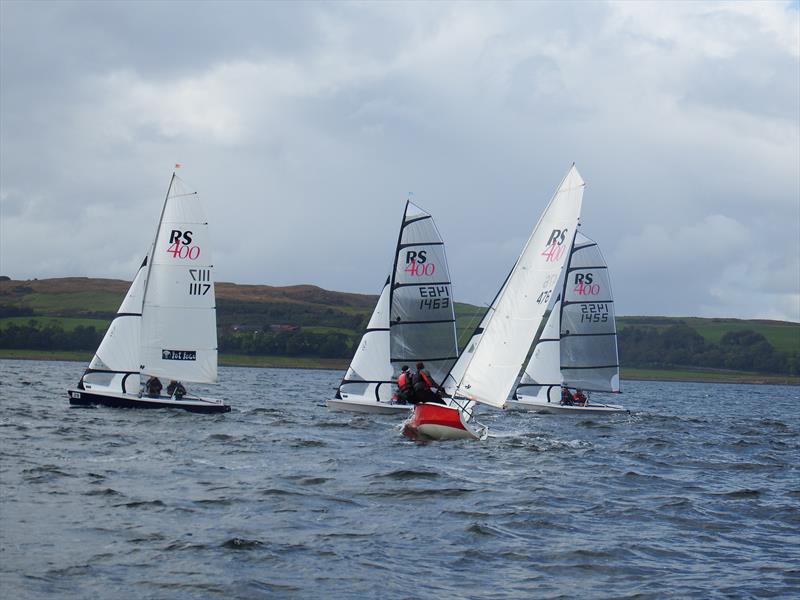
x,y
417,264
180,245
554,248
178,355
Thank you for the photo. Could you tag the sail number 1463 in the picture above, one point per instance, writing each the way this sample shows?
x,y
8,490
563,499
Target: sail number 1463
x,y
433,297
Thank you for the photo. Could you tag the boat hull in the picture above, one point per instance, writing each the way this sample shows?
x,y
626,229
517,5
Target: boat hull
x,y
367,406
431,422
118,400
554,408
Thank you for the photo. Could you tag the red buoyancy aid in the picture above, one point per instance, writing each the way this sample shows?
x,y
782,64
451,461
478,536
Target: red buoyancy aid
x,y
428,381
404,381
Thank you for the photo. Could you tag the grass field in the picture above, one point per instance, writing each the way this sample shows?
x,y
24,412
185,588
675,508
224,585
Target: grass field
x,y
784,336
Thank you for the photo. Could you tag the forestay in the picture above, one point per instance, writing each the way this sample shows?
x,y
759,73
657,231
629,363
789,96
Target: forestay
x,y
578,347
421,309
516,315
179,330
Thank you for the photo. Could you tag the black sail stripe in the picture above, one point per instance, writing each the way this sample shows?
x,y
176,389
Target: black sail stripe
x,y
401,246
397,323
414,220
399,285
417,359
589,267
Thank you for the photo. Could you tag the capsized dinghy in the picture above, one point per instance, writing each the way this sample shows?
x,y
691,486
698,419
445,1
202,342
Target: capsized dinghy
x,y
413,321
489,370
166,326
578,346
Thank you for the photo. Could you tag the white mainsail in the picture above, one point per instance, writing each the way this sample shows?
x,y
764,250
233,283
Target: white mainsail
x,y
421,308
579,346
179,325
516,315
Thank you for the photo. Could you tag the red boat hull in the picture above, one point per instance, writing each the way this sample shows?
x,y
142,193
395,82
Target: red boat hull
x,y
436,422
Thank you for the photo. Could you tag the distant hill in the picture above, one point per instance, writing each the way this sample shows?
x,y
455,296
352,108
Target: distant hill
x,y
306,320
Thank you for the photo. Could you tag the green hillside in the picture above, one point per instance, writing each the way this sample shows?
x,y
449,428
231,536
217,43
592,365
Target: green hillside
x,y
308,326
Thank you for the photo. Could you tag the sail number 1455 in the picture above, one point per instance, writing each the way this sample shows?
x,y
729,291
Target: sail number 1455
x,y
594,313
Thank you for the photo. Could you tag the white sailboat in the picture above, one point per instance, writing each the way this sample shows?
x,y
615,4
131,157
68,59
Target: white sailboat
x,y
166,326
414,320
489,372
578,346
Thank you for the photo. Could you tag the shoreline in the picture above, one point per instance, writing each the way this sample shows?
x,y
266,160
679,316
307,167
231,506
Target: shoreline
x,y
335,364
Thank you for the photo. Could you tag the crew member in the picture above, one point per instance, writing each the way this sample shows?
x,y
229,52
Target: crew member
x,y
579,397
153,387
566,397
175,388
405,394
423,386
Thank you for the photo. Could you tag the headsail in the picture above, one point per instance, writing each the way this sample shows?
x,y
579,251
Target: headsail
x,y
179,330
580,350
421,308
117,356
516,316
370,372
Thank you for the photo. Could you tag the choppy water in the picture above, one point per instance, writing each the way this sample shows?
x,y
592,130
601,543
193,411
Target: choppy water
x,y
695,494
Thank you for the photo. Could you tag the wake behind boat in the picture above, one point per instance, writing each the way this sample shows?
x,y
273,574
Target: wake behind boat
x,y
413,321
166,325
489,369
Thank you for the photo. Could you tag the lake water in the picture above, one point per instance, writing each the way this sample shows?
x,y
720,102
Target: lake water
x,y
695,494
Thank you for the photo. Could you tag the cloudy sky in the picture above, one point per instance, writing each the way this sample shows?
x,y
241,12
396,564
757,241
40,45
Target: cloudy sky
x,y
304,127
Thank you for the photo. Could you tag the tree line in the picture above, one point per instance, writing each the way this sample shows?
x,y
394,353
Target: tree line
x,y
35,335
681,346
639,346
